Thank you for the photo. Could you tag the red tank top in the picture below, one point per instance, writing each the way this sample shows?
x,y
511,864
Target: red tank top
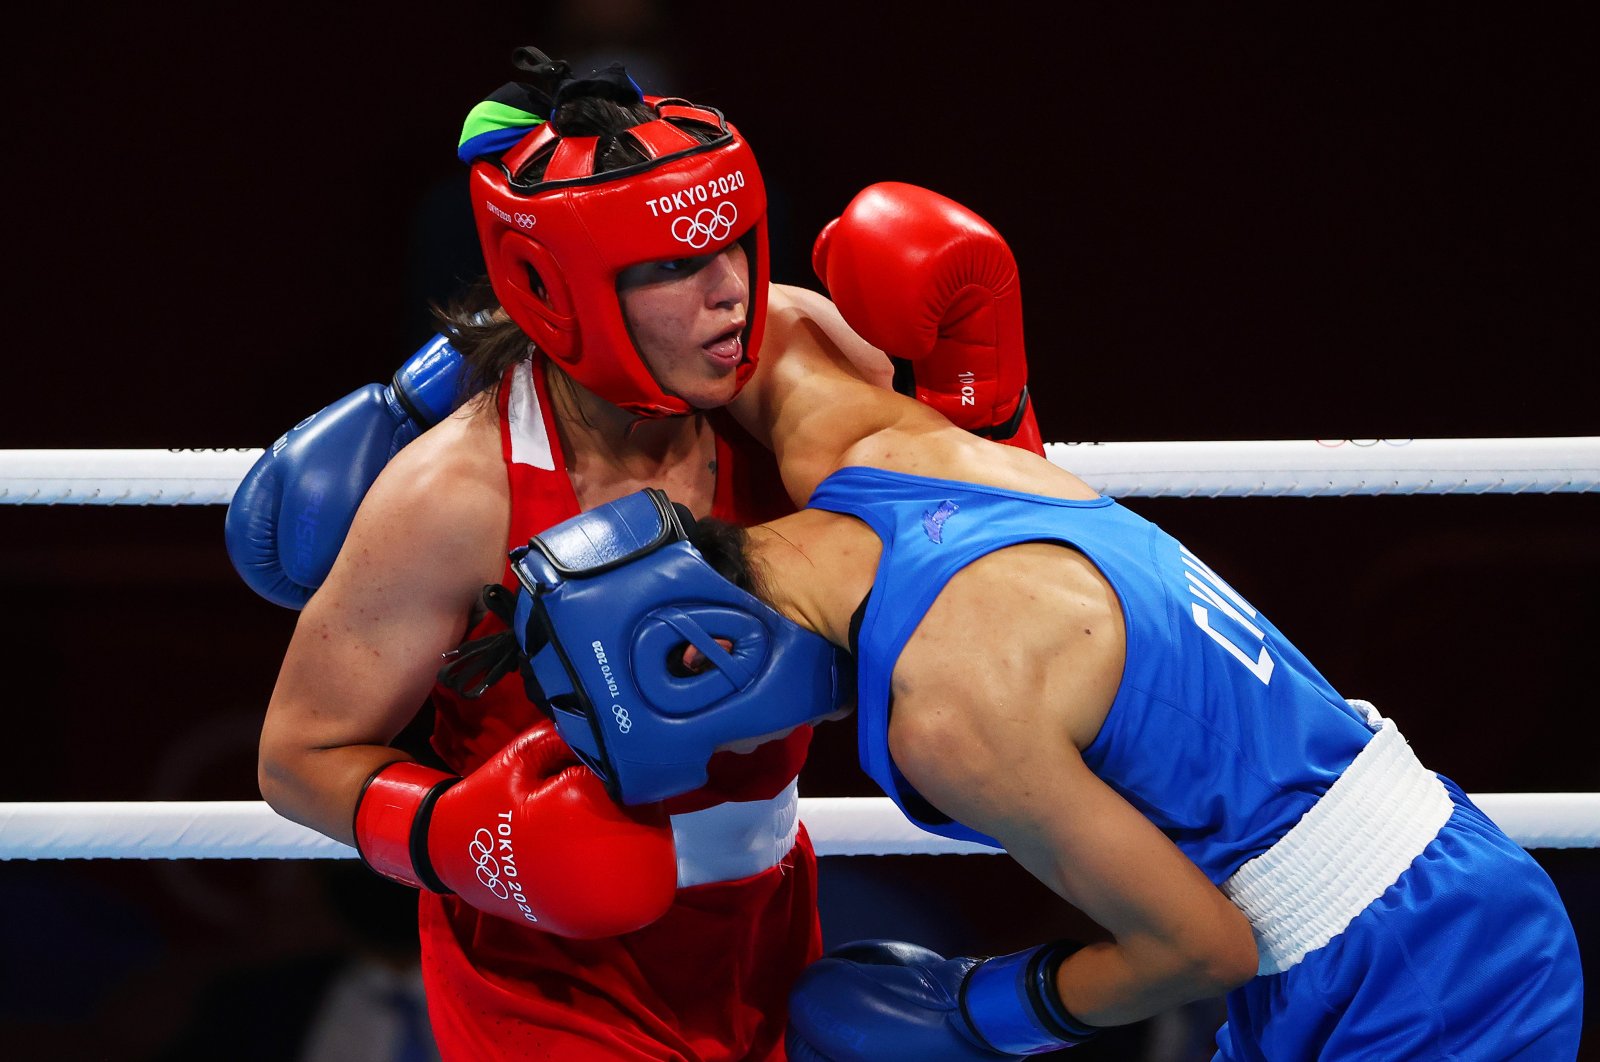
x,y
709,981
748,490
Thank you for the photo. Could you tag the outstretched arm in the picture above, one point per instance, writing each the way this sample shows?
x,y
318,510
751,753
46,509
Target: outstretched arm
x,y
935,287
807,402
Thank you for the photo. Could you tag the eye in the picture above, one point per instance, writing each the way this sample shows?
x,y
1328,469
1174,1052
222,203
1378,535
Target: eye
x,y
661,271
683,267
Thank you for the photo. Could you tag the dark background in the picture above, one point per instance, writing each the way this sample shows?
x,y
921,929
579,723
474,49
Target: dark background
x,y
1231,223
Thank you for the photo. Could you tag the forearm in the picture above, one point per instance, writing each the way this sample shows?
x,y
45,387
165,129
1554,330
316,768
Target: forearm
x,y
1102,984
1174,937
328,728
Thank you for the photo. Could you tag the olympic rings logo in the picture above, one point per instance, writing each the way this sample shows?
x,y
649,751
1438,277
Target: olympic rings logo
x,y
1332,444
481,851
521,220
706,227
624,722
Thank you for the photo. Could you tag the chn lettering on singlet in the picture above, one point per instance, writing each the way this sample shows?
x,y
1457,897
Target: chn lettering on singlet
x,y
1240,637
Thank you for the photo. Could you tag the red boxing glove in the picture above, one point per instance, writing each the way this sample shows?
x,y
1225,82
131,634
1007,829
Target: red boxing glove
x,y
927,281
531,836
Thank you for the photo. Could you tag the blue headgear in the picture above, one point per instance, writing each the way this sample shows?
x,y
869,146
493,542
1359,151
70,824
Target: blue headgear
x,y
610,598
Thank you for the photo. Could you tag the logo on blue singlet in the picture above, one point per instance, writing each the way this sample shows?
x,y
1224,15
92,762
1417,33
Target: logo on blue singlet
x,y
933,520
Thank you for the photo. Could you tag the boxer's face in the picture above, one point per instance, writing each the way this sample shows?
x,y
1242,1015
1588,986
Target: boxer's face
x,y
686,316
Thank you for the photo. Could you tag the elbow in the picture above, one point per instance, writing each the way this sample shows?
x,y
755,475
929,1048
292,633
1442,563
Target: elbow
x,y
275,778
1229,958
1205,974
268,781
1202,965
294,794
1233,964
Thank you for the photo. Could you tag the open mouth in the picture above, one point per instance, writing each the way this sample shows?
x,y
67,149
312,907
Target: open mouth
x,y
727,347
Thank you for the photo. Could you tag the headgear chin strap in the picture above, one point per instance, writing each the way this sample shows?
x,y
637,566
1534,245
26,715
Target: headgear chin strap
x,y
609,599
572,231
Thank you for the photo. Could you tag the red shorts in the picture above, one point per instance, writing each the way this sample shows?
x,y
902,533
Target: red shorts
x,y
708,982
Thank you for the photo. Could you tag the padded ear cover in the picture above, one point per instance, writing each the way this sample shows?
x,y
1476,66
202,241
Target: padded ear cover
x,y
553,307
516,265
665,630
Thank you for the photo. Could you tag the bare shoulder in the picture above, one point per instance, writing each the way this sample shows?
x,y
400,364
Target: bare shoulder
x,y
926,444
1009,673
459,459
797,315
441,506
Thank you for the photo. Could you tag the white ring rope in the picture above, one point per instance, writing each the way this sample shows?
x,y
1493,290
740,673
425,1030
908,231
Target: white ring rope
x,y
839,826
1304,468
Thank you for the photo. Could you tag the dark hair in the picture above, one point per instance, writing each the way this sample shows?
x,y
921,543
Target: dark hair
x,y
726,547
490,343
601,118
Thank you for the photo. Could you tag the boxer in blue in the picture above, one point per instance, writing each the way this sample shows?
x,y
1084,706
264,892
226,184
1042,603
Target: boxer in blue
x,y
1041,669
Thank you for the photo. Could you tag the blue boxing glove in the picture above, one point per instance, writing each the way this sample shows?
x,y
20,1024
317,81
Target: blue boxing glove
x,y
878,999
290,514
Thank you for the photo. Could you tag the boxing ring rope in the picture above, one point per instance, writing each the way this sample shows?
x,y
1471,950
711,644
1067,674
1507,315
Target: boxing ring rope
x,y
838,825
1294,468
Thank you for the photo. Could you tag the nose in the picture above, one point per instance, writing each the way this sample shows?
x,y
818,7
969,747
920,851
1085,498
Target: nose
x,y
728,279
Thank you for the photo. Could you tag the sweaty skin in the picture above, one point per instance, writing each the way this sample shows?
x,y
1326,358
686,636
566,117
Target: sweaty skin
x,y
1007,678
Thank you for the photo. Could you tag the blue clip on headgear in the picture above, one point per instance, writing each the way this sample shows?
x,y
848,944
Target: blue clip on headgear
x,y
610,598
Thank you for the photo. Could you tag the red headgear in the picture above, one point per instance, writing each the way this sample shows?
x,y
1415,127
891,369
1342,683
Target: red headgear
x,y
572,231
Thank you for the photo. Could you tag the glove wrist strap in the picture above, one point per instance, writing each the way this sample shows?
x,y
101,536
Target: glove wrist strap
x,y
428,386
391,827
1002,432
1011,1002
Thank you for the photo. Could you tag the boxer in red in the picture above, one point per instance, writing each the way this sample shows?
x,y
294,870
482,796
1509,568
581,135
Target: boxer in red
x,y
625,239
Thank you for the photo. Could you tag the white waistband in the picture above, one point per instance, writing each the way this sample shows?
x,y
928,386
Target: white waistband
x,y
1352,845
730,841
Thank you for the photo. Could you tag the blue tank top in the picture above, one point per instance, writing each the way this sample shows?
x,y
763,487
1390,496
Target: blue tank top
x,y
1221,732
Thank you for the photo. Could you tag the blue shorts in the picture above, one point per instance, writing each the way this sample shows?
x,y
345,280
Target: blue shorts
x,y
1470,955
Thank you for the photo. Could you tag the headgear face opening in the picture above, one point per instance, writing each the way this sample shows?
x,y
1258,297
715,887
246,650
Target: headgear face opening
x,y
609,599
573,231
